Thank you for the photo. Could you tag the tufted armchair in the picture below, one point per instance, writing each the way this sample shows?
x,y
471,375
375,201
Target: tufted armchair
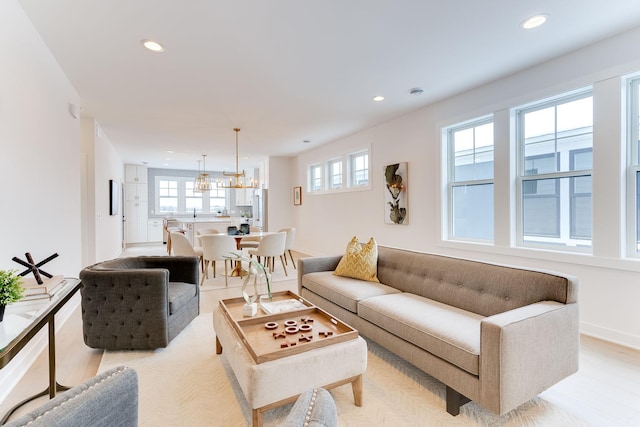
x,y
138,303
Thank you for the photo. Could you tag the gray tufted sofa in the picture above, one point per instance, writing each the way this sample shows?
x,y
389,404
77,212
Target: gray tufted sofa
x,y
494,334
107,400
138,303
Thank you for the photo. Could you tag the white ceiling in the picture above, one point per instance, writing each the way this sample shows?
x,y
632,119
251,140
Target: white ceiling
x,y
291,70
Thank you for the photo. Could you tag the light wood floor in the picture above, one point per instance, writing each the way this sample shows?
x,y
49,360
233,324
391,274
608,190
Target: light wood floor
x,y
605,391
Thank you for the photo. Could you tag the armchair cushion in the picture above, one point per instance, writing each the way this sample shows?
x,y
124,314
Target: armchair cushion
x,y
180,295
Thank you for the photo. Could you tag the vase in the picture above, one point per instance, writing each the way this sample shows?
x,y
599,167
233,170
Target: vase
x,y
2,307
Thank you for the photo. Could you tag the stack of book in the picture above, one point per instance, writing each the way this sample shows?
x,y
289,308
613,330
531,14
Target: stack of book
x,y
271,307
34,291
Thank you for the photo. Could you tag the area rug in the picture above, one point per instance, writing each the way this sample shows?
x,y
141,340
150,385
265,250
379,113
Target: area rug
x,y
218,282
187,384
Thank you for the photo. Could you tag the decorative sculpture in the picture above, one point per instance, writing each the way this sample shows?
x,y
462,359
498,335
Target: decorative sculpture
x,y
34,268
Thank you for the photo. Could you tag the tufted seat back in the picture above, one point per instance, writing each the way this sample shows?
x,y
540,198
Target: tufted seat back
x,y
139,302
481,288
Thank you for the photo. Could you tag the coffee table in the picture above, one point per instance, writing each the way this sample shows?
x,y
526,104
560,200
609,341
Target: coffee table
x,y
270,374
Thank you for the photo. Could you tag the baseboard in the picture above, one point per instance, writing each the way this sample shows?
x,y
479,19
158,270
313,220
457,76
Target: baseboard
x,y
610,335
11,374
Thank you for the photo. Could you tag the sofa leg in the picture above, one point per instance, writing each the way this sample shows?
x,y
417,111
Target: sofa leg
x,y
454,401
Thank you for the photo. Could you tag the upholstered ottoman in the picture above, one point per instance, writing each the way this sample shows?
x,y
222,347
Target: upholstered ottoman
x,y
277,382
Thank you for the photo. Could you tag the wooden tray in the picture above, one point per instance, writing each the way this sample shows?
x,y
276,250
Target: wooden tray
x,y
261,343
234,305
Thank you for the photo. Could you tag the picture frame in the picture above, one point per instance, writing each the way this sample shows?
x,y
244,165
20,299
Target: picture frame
x,y
113,197
297,196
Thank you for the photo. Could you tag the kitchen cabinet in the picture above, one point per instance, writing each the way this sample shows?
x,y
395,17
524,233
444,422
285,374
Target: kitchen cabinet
x,y
154,230
135,174
136,211
136,192
136,222
193,225
244,197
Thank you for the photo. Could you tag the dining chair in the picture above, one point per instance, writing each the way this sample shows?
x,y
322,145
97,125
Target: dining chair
x,y
271,246
251,242
205,231
288,245
215,247
168,230
182,247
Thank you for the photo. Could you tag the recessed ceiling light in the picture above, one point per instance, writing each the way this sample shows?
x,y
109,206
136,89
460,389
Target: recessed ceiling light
x,y
378,98
152,45
535,21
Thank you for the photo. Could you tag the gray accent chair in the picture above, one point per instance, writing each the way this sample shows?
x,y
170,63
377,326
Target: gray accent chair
x,y
138,303
107,400
314,408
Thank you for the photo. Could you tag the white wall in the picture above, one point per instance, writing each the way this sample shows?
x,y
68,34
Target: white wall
x,y
609,285
280,193
105,165
40,165
39,161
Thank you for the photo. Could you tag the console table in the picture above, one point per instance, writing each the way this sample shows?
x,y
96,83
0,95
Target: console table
x,y
22,321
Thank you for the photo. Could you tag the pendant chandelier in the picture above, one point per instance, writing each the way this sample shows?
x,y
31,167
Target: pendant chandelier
x,y
237,179
202,183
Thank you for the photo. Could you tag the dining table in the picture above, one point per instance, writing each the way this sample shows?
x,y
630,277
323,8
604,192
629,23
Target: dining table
x,y
238,271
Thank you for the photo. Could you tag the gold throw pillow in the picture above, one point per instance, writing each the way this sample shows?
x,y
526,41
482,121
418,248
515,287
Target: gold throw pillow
x,y
359,261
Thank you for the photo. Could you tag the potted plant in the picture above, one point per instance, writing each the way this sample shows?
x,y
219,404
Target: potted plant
x,y
11,289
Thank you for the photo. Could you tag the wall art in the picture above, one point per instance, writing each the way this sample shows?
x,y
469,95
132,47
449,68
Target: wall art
x,y
395,194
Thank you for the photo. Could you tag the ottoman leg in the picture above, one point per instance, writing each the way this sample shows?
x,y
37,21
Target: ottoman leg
x,y
356,385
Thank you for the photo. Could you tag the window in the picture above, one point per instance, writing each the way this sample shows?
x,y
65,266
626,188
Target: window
x,y
470,180
217,199
335,174
349,172
555,141
633,119
193,200
167,196
315,178
359,168
175,195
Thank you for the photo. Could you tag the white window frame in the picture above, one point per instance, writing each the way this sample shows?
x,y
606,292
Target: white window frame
x,y
182,196
157,193
331,185
312,178
214,194
633,164
452,184
521,177
346,161
352,171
